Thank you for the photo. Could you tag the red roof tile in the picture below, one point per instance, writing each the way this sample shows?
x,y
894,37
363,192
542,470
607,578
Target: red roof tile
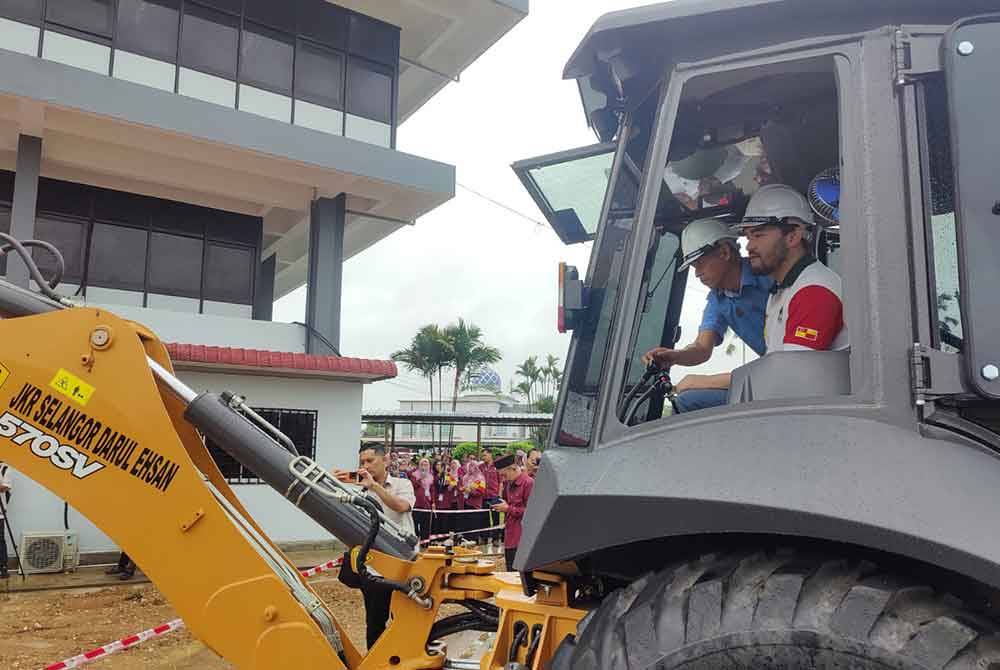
x,y
332,366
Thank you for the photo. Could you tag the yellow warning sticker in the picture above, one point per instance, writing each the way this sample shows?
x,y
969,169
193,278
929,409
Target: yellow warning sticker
x,y
72,387
4,374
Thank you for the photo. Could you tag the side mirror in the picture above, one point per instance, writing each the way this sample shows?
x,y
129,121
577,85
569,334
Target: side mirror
x,y
571,297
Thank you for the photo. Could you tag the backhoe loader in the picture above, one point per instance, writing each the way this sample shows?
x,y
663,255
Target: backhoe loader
x,y
829,516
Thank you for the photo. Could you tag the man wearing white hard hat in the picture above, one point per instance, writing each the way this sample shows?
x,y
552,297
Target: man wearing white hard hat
x,y
805,310
736,299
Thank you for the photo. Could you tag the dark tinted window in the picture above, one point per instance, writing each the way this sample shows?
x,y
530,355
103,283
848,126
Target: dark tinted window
x,y
6,186
4,228
238,228
116,206
174,265
267,58
22,10
280,15
175,217
208,41
231,6
63,197
149,27
374,39
323,22
319,75
69,238
92,16
228,274
117,257
369,90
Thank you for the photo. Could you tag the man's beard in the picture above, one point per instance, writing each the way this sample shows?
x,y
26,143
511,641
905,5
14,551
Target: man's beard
x,y
761,265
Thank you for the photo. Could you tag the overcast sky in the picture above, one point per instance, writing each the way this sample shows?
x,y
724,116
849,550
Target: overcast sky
x,y
471,258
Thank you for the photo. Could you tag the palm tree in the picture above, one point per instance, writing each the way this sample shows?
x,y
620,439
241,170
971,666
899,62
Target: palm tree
x,y
438,351
524,388
467,351
531,373
427,354
555,372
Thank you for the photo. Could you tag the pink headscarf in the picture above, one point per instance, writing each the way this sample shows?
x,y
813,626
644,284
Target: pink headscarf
x,y
424,477
453,470
520,458
472,475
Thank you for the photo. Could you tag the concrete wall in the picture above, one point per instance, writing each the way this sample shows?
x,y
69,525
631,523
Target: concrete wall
x,y
219,331
34,509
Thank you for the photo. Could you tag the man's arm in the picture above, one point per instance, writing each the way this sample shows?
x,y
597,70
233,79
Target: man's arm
x,y
695,353
693,382
815,317
517,511
401,502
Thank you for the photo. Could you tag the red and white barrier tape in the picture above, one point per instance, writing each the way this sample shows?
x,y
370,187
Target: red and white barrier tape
x,y
169,627
116,646
329,565
133,640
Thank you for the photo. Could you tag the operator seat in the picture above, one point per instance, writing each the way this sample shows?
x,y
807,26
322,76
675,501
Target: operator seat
x,y
792,374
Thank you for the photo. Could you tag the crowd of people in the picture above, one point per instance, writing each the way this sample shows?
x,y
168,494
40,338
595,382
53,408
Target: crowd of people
x,y
459,495
446,495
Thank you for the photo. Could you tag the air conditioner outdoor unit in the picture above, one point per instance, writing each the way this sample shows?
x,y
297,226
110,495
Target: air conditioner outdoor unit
x,y
49,552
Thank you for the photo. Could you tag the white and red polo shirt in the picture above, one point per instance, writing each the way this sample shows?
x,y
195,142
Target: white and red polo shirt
x,y
805,311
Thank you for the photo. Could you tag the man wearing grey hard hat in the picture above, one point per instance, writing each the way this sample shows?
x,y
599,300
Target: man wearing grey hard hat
x,y
737,299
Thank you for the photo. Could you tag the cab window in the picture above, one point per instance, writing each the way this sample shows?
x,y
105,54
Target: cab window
x,y
735,132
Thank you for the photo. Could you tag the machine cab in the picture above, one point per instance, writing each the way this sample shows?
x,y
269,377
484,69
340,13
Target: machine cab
x,y
682,141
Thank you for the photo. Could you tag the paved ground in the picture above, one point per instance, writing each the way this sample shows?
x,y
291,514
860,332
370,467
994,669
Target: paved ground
x,y
48,618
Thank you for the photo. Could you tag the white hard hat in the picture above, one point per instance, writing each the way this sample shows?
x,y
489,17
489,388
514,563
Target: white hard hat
x,y
773,204
700,237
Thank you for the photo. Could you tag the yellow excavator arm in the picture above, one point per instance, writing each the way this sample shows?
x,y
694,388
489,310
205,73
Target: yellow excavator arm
x,y
90,409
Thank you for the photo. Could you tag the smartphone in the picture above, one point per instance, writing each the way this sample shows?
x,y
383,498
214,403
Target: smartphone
x,y
356,477
490,502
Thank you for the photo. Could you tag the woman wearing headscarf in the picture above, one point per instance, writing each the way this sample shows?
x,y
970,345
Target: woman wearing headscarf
x,y
424,490
474,490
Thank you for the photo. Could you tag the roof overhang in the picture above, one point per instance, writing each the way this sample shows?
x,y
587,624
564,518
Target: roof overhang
x,y
439,39
115,134
259,362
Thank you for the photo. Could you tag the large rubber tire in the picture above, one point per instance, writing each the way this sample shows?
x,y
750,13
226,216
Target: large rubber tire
x,y
778,611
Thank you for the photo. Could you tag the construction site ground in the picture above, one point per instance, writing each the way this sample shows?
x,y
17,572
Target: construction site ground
x,y
48,618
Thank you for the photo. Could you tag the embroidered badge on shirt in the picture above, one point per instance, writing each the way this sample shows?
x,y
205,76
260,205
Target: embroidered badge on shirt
x,y
807,333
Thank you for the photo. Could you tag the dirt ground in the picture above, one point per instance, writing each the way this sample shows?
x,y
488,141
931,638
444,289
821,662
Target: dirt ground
x,y
43,627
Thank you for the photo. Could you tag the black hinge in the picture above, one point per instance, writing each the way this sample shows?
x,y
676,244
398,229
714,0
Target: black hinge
x,y
933,374
914,55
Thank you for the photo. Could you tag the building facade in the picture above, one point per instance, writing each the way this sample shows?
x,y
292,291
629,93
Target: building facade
x,y
194,160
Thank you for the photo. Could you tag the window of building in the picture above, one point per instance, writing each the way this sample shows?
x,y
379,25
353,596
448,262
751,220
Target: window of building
x,y
266,58
89,16
76,52
229,274
278,15
148,27
4,228
369,90
117,257
298,424
321,21
69,236
374,39
175,264
209,41
319,75
29,11
19,37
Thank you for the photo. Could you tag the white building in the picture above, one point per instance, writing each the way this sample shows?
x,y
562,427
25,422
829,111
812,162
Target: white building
x,y
483,404
194,160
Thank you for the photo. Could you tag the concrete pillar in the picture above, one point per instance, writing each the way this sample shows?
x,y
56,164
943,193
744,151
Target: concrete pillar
x,y
328,217
22,215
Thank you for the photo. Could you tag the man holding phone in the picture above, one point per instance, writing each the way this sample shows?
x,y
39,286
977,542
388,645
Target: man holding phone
x,y
518,488
396,497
